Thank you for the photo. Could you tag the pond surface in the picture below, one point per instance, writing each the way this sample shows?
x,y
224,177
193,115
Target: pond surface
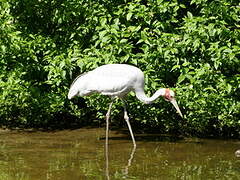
x,y
80,154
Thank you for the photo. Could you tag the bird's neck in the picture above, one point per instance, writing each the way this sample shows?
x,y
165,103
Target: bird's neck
x,y
148,100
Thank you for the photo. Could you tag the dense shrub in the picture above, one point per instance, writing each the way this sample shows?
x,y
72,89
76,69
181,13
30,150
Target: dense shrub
x,y
191,46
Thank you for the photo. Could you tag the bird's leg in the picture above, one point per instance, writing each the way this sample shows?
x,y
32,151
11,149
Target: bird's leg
x,y
107,121
106,141
128,123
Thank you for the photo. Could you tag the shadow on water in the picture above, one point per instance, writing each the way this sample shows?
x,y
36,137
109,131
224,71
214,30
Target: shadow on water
x,y
81,154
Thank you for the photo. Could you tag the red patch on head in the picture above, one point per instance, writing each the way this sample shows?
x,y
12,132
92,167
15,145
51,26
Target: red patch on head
x,y
167,95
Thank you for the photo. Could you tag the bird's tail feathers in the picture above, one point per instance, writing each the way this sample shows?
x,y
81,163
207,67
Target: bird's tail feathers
x,y
81,75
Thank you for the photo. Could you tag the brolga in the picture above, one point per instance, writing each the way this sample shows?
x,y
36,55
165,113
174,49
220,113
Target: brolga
x,y
116,81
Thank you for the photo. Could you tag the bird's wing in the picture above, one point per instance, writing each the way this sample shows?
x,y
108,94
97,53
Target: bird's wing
x,y
111,79
110,85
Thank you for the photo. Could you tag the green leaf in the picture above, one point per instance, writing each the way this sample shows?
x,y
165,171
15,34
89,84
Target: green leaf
x,y
123,40
143,35
181,78
189,15
105,39
103,21
175,67
129,15
102,34
185,64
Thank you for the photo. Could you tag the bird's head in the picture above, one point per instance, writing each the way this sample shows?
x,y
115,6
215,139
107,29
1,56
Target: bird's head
x,y
169,95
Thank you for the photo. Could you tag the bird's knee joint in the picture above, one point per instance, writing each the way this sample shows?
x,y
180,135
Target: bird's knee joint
x,y
108,115
126,117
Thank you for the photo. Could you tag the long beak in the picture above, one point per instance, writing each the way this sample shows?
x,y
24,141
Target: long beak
x,y
174,102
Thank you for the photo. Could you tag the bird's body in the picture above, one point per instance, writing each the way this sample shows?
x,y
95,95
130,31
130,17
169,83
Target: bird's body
x,y
117,80
114,80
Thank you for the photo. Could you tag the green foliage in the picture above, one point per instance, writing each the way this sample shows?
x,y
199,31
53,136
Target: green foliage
x,y
193,46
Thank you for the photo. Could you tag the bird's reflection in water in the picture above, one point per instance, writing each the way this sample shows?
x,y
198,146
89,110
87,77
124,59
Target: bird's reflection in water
x,y
125,170
129,160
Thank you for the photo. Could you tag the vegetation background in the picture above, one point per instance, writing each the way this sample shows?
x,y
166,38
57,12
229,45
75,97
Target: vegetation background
x,y
191,46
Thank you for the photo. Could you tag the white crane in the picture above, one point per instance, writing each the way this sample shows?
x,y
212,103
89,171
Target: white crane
x,y
117,80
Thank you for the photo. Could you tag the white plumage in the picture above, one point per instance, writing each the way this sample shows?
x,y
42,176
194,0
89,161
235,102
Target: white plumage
x,y
112,79
117,80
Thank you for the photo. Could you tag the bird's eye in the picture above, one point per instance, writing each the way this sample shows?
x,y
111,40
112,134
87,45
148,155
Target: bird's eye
x,y
167,97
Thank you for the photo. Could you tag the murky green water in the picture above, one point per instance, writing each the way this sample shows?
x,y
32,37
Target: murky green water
x,y
80,154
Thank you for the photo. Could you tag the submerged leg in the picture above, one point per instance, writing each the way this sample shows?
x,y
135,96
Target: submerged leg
x,y
128,123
